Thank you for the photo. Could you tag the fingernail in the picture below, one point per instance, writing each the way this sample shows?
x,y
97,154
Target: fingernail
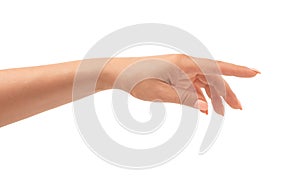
x,y
202,106
255,70
205,112
240,105
222,111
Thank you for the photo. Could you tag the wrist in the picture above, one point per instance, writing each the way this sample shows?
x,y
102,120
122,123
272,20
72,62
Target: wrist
x,y
111,70
115,66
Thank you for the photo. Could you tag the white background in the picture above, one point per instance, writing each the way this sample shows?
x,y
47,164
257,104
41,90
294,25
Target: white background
x,y
257,148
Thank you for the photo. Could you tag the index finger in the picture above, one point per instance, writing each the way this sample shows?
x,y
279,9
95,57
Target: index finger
x,y
230,69
208,66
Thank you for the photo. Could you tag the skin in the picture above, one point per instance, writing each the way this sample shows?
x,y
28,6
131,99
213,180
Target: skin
x,y
25,92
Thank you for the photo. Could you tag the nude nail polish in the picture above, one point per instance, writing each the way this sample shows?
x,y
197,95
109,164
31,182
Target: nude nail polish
x,y
240,105
201,105
255,70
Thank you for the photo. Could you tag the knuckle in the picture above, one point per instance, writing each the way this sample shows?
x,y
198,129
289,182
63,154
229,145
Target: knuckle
x,y
178,57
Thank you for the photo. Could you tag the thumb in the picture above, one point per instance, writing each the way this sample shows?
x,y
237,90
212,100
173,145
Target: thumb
x,y
188,97
191,98
156,90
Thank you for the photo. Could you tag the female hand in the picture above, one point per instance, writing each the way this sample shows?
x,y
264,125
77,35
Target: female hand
x,y
180,79
25,92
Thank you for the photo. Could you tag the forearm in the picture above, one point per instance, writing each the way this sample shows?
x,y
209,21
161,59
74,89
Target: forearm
x,y
25,92
29,91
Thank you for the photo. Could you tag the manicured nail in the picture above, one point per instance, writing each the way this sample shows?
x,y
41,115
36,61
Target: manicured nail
x,y
240,105
255,70
204,111
222,111
202,106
